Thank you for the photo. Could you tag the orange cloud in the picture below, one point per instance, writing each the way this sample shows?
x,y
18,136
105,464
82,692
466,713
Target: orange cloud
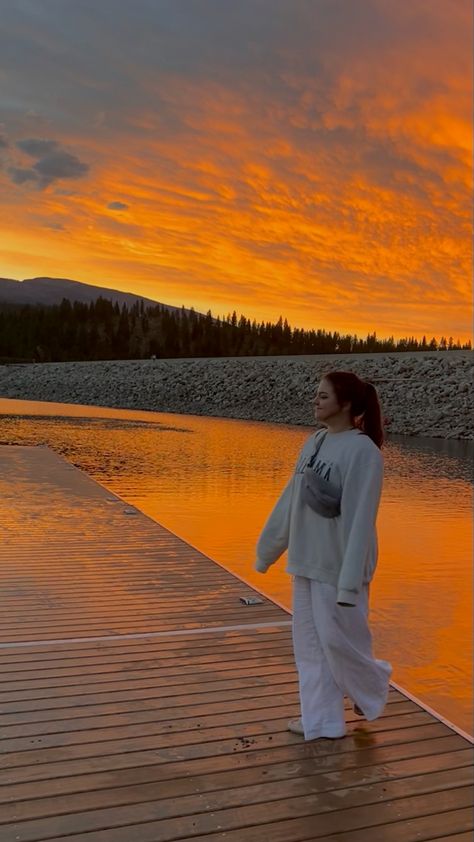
x,y
328,181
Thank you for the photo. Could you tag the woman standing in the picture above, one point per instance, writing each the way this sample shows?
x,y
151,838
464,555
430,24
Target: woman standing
x,y
326,517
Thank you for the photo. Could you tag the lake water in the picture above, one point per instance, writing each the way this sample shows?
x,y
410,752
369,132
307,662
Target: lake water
x,y
213,482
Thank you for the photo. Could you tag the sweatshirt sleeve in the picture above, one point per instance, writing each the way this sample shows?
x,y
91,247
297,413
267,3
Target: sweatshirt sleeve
x,y
362,487
275,535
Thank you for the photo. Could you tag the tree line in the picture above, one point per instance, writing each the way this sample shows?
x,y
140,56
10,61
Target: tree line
x,y
101,330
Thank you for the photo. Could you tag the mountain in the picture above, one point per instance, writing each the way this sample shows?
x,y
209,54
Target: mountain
x,y
49,291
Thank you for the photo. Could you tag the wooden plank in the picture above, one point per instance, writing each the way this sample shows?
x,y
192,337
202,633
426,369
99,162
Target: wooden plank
x,y
169,739
183,718
53,622
241,740
98,679
166,722
248,786
272,763
116,626
217,663
186,644
202,682
178,715
332,813
166,650
147,700
459,837
413,829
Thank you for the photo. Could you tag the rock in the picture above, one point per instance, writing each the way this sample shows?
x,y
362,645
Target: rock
x,y
422,394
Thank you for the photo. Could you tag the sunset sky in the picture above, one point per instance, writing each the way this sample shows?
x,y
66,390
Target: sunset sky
x,y
310,158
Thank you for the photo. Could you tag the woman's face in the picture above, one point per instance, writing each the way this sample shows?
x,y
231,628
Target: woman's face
x,y
326,406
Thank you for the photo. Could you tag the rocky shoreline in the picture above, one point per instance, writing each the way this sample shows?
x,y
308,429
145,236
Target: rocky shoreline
x,y
423,394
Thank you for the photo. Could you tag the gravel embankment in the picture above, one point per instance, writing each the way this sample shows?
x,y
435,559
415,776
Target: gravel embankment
x,y
425,394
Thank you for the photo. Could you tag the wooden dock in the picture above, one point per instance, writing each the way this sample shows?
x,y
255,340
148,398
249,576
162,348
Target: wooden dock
x,y
142,702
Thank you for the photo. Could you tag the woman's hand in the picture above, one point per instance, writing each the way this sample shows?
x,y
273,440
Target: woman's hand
x,y
260,566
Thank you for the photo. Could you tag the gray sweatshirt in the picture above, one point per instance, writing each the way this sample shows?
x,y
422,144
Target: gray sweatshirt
x,y
341,551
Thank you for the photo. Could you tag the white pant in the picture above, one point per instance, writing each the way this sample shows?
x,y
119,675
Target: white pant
x,y
333,654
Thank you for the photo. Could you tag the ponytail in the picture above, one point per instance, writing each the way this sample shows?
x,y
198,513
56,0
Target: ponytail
x,y
371,421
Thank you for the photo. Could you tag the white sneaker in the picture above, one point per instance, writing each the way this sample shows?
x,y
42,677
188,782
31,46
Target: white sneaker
x,y
296,727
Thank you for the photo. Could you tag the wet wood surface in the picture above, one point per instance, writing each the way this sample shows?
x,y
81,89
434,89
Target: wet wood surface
x,y
140,701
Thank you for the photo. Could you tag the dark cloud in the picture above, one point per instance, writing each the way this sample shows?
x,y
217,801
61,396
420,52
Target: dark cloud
x,y
19,175
53,163
3,141
55,226
117,206
59,165
36,147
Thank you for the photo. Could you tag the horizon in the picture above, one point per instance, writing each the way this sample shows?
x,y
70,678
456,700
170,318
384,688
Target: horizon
x,y
381,338
279,157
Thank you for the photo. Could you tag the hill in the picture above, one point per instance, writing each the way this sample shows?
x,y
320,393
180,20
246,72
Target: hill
x,y
49,291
